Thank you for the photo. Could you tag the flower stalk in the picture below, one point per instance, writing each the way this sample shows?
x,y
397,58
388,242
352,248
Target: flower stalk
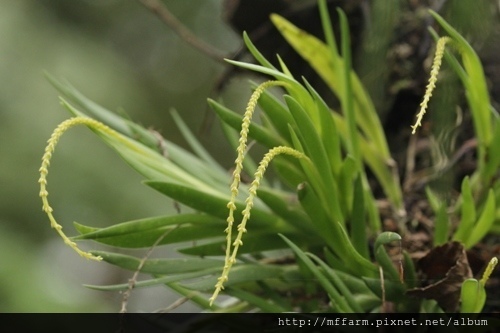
x,y
44,171
436,65
233,246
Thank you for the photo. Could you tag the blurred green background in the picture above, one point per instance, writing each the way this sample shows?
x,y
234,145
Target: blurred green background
x,y
120,55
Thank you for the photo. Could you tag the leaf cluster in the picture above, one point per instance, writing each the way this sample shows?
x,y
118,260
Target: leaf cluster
x,y
308,241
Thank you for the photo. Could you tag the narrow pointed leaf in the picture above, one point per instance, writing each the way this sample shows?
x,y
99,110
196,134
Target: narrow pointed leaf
x,y
339,302
239,274
257,132
473,296
159,266
213,205
263,304
485,222
132,227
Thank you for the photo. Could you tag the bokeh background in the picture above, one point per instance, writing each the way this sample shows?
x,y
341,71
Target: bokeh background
x,y
120,55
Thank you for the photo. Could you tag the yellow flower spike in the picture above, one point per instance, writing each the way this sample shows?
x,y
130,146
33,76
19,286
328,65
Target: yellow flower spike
x,y
436,65
230,260
242,146
489,269
51,144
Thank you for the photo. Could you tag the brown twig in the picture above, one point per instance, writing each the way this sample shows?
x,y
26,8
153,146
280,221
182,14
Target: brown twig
x,y
174,305
133,280
160,10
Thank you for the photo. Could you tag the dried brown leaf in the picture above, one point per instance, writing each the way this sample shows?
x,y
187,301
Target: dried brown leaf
x,y
443,270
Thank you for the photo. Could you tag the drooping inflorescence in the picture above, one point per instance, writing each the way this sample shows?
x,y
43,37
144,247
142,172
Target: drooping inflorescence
x,y
44,170
233,246
242,146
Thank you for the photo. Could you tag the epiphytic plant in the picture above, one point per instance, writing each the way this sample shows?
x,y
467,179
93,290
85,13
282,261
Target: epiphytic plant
x,y
322,217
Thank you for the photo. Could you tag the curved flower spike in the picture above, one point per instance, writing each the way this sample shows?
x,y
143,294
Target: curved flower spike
x,y
44,171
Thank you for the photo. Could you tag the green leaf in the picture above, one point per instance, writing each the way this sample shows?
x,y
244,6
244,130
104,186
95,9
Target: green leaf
x,y
348,173
312,50
256,241
118,123
214,205
358,225
239,274
159,266
263,304
312,206
430,306
257,132
372,210
284,68
352,281
158,280
339,303
433,199
382,168
347,99
473,296
441,226
145,232
441,220
410,273
485,222
468,213
100,113
338,283
312,174
196,145
277,113
264,70
334,260
326,22
328,131
289,171
394,291
214,177
193,296
133,227
281,204
151,164
493,158
256,53
333,232
383,258
309,138
329,66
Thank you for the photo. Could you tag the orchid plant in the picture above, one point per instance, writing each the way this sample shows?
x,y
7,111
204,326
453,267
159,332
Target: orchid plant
x,y
321,213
